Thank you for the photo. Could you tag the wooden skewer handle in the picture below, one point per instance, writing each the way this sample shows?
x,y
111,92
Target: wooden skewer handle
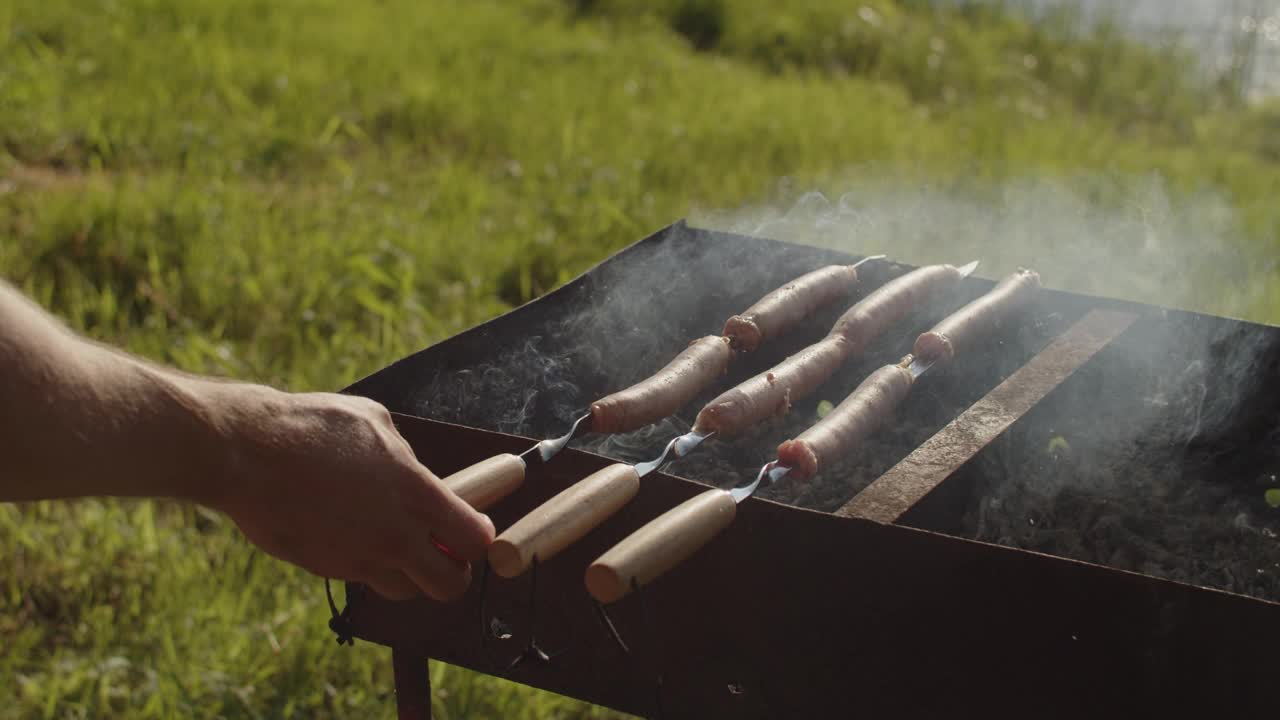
x,y
488,481
563,519
660,545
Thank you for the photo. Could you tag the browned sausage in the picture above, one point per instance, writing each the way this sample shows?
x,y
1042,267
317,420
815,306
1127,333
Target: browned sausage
x,y
957,331
794,378
666,391
890,303
773,392
789,304
866,408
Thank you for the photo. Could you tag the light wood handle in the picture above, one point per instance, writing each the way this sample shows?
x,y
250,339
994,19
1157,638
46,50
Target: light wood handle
x,y
488,481
558,522
660,545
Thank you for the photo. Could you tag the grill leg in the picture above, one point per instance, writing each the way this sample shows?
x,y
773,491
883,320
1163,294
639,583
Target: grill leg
x,y
413,685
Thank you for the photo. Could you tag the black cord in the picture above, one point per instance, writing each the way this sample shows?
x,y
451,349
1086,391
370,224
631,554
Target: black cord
x,y
340,622
603,615
532,651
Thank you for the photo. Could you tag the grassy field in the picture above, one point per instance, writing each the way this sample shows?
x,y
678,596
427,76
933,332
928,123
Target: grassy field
x,y
299,193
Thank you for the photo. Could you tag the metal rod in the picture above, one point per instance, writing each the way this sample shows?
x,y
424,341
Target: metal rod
x,y
771,470
681,446
868,259
928,466
548,449
918,366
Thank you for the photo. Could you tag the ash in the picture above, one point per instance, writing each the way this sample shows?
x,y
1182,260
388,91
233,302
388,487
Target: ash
x,y
1172,498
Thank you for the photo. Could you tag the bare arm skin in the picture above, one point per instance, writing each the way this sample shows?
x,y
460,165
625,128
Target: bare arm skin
x,y
323,481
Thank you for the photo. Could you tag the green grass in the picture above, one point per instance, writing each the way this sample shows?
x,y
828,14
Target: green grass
x,y
299,193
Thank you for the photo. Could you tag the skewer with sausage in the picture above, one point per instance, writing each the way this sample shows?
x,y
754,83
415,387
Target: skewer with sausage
x,y
575,511
668,539
850,422
774,391
781,309
667,390
578,509
977,319
694,369
664,392
874,400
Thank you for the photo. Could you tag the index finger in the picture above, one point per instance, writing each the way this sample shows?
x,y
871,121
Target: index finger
x,y
456,527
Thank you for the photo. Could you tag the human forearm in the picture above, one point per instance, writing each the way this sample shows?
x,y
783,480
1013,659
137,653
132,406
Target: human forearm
x,y
80,419
322,480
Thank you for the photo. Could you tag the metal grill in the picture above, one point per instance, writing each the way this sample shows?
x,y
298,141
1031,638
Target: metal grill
x,y
866,600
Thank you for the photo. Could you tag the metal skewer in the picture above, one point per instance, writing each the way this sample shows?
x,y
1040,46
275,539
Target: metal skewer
x,y
668,539
549,448
685,444
490,480
681,446
581,507
774,472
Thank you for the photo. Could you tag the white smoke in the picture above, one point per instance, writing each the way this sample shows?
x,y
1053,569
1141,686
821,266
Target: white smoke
x,y
1124,237
1145,466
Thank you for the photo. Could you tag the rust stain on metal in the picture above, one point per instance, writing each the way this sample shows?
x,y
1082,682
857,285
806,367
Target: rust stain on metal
x,y
906,483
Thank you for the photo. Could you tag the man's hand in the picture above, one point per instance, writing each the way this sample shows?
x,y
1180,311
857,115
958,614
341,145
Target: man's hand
x,y
325,482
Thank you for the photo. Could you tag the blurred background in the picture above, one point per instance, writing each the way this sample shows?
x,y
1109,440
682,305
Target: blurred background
x,y
299,193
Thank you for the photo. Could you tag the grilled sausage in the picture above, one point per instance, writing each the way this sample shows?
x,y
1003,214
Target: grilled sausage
x,y
794,378
958,331
849,423
890,303
772,392
666,391
789,304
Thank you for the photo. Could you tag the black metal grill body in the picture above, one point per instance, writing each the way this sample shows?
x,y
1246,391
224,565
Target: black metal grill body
x,y
799,613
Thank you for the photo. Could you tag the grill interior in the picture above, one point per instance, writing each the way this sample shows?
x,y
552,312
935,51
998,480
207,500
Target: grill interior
x,y
1153,457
